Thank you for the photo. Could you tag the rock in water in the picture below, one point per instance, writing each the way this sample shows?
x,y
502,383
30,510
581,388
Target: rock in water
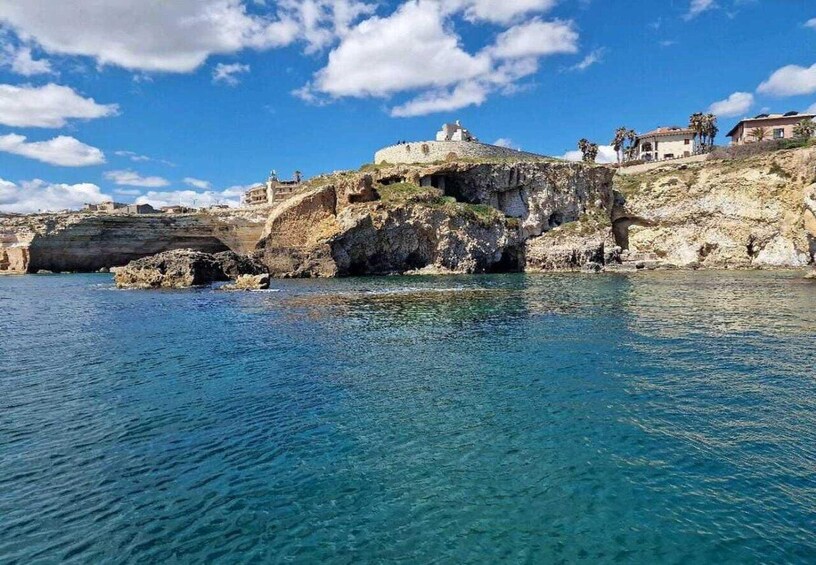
x,y
235,265
181,268
249,282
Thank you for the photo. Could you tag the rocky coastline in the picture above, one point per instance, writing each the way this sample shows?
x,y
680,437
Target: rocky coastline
x,y
457,217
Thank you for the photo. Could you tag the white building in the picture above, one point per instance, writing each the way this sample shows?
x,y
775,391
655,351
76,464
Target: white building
x,y
454,132
665,143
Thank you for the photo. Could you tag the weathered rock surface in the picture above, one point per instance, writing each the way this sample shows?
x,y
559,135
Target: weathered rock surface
x,y
85,242
752,213
572,247
183,268
249,282
383,222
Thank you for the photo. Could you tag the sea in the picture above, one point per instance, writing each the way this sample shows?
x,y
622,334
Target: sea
x,y
662,417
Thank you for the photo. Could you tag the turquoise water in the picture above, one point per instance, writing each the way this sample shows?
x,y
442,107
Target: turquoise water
x,y
657,418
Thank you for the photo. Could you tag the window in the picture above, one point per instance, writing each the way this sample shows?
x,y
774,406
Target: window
x,y
779,133
686,141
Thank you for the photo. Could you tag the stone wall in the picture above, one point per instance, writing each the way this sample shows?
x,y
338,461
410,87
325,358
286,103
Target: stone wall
x,y
435,151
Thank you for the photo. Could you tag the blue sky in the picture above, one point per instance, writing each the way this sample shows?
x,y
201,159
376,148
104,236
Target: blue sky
x,y
190,100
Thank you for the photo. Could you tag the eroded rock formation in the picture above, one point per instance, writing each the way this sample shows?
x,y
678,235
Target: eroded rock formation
x,y
183,268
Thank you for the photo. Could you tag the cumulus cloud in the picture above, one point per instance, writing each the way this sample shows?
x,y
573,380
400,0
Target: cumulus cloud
x,y
228,73
535,39
735,105
606,154
811,109
49,106
811,23
499,11
198,183
230,196
63,150
138,158
505,142
132,178
21,61
697,7
178,35
415,49
791,80
38,195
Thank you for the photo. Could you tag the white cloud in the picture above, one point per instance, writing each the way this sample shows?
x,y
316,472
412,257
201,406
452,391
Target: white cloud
x,y
499,11
228,73
606,154
409,49
132,178
49,106
735,105
63,150
230,196
198,183
811,23
811,109
137,158
38,195
791,80
697,7
416,50
592,58
506,142
22,62
178,35
536,39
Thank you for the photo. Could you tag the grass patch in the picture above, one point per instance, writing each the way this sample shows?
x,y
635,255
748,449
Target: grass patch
x,y
405,192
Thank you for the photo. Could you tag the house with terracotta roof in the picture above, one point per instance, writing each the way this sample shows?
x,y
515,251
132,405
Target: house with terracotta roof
x,y
665,143
766,126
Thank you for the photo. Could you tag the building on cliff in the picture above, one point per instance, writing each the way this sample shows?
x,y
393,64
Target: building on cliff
x,y
666,143
766,126
272,191
453,142
119,208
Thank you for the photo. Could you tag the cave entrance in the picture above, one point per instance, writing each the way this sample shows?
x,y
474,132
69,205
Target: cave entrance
x,y
434,181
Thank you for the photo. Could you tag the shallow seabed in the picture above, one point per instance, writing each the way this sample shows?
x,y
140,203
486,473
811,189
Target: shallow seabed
x,y
653,418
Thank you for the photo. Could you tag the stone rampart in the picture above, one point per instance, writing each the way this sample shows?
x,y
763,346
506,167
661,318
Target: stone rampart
x,y
435,151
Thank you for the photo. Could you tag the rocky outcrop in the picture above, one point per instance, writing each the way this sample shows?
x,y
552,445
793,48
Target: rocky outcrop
x,y
453,217
573,247
249,282
88,242
183,268
750,213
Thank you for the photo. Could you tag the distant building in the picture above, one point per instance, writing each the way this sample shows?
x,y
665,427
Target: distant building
x,y
774,126
108,206
273,191
454,132
665,143
140,209
177,209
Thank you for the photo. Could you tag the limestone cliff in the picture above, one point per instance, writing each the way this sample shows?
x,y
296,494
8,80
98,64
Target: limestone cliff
x,y
88,242
744,213
453,217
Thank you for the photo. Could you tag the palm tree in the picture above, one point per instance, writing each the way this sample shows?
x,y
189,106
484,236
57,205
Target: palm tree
x,y
710,130
619,141
592,153
804,129
759,134
697,126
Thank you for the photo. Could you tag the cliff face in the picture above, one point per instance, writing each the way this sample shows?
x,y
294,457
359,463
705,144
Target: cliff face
x,y
456,217
754,212
89,242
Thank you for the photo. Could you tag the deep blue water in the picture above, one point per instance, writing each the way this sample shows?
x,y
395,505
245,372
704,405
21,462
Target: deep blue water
x,y
657,418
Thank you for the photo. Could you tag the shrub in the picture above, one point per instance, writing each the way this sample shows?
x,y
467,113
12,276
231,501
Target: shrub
x,y
758,148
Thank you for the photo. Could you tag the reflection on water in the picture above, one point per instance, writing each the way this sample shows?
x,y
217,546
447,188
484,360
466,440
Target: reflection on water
x,y
663,417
